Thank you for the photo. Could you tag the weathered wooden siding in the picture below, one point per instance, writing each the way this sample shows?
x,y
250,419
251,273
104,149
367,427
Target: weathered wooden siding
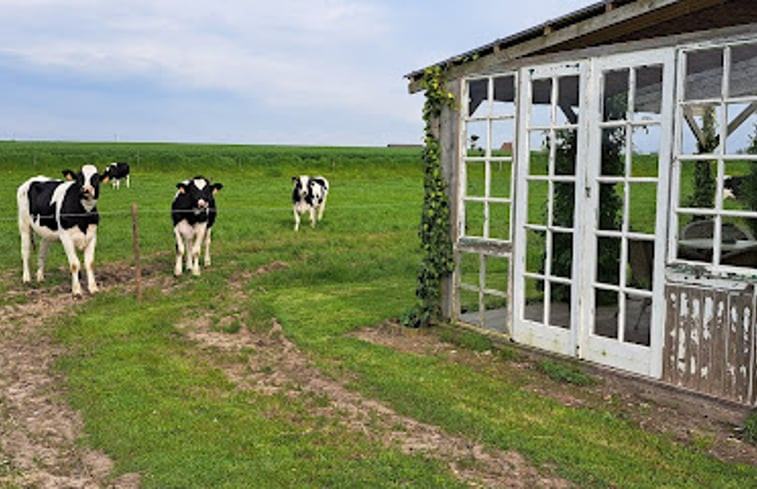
x,y
710,341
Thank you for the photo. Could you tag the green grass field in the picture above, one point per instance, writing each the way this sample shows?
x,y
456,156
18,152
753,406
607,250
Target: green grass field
x,y
160,406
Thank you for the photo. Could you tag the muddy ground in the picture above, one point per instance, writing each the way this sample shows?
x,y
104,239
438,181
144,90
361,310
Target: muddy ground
x,y
38,431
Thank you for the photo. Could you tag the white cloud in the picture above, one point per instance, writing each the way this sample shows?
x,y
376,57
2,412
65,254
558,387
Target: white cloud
x,y
285,52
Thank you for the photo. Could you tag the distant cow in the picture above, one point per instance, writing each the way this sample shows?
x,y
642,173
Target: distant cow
x,y
193,212
65,211
309,195
732,187
116,172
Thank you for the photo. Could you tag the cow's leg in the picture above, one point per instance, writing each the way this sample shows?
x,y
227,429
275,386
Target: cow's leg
x,y
199,237
296,220
321,208
26,246
89,261
180,250
207,247
128,181
312,217
73,263
44,246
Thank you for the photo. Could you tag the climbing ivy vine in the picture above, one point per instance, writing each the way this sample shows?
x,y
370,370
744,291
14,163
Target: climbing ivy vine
x,y
434,231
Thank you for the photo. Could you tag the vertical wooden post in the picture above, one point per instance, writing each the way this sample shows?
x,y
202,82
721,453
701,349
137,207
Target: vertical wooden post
x,y
137,265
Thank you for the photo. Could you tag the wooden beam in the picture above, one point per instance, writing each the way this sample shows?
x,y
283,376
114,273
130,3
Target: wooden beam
x,y
741,118
688,114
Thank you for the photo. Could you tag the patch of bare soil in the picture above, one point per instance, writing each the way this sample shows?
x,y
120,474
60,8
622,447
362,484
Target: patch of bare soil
x,y
710,425
274,365
38,431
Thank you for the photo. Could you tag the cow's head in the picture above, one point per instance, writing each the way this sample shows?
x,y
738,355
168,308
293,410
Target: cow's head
x,y
200,192
87,180
301,186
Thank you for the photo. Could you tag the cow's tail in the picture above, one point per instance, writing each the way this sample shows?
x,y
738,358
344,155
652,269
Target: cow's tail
x,y
24,213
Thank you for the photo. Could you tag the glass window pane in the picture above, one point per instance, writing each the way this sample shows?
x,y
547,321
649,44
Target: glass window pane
x,y
740,185
539,153
497,277
534,307
499,221
476,133
504,95
474,219
638,319
563,201
695,238
613,151
743,70
610,212
503,135
640,267
642,207
700,129
562,255
469,307
565,151
738,242
470,263
567,101
742,128
697,184
537,200
477,98
501,179
645,142
606,311
704,74
474,179
608,261
541,109
536,251
648,96
615,95
559,309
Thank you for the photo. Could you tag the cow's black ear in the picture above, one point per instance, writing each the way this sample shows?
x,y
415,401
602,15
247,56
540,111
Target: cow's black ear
x,y
182,187
217,187
69,175
294,179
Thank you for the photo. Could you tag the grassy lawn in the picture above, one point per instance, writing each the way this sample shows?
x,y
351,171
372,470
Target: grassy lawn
x,y
161,406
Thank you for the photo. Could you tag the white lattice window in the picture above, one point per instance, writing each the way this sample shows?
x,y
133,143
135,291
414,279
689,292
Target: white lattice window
x,y
715,185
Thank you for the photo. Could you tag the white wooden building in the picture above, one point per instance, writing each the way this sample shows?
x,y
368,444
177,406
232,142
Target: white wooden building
x,y
603,171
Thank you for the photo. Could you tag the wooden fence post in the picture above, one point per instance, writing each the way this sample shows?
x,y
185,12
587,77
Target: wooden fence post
x,y
137,266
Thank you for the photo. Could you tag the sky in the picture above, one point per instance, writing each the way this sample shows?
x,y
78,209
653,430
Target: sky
x,y
303,72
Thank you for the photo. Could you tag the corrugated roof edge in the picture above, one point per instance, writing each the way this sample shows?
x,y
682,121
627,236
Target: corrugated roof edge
x,y
580,15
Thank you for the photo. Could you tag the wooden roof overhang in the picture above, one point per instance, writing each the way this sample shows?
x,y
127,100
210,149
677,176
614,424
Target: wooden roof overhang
x,y
603,23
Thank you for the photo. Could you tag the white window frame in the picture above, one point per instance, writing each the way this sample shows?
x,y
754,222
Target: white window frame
x,y
680,267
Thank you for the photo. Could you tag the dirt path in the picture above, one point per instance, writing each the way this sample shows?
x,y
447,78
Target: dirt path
x,y
38,431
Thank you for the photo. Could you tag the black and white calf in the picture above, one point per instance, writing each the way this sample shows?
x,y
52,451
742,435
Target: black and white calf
x,y
309,195
116,172
193,211
64,211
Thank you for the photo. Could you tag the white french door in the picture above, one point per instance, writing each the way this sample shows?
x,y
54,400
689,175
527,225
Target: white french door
x,y
592,188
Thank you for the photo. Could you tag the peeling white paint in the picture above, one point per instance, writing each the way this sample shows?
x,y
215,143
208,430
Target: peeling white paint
x,y
709,314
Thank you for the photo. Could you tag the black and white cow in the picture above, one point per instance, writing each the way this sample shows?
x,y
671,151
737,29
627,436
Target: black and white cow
x,y
117,171
65,211
309,195
193,211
